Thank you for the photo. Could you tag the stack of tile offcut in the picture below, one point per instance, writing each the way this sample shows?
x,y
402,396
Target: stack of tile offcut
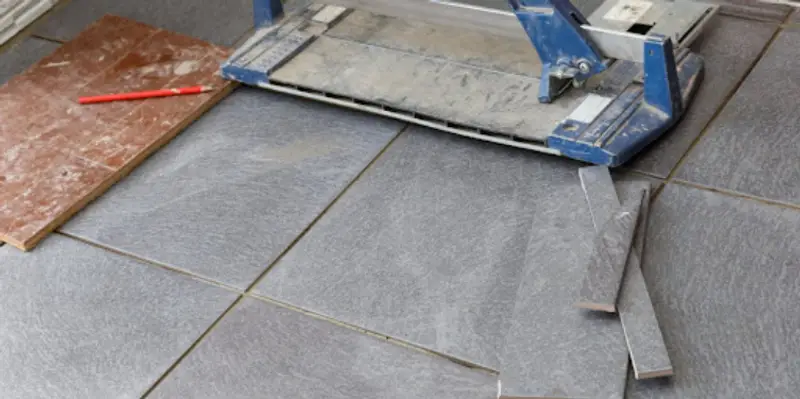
x,y
15,15
614,282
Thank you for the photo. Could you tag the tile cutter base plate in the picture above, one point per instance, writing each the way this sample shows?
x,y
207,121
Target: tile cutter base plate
x,y
469,68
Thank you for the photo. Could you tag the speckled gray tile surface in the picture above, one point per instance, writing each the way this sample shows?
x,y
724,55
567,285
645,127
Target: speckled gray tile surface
x,y
753,146
22,55
230,193
729,47
432,246
218,21
455,44
432,87
724,276
606,265
81,322
260,350
601,197
646,347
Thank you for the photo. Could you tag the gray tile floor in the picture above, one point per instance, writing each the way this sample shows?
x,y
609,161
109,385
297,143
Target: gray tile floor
x,y
753,148
218,21
267,252
22,55
281,162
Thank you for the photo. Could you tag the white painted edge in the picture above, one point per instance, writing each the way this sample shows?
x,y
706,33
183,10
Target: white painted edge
x,y
591,107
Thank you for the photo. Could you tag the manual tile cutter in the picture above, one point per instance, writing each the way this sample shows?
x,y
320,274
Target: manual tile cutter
x,y
599,91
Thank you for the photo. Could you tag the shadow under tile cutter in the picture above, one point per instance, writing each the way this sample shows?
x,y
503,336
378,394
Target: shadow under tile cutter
x,y
597,90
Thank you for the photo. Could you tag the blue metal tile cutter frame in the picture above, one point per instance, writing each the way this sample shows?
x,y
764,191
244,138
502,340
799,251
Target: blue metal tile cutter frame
x,y
608,128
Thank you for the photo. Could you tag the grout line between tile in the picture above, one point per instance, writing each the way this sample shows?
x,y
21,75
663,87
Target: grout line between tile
x,y
189,350
328,207
724,104
643,173
737,194
374,334
152,263
165,375
704,131
47,39
247,292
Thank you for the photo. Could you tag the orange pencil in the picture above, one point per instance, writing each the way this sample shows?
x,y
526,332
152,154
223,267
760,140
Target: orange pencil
x,y
144,94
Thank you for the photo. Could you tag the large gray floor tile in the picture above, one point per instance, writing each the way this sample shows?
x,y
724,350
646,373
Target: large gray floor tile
x,y
81,322
753,146
260,350
729,47
22,55
218,21
432,245
227,196
724,276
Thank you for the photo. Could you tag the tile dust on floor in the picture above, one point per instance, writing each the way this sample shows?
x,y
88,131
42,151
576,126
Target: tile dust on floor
x,y
59,155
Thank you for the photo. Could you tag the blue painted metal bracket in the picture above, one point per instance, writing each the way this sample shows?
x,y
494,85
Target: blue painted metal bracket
x,y
634,117
265,12
661,86
554,28
640,114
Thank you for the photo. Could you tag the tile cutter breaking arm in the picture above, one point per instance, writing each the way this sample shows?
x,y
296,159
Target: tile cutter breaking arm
x,y
625,75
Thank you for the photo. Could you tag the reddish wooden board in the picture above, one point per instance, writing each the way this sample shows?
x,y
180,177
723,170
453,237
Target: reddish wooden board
x,y
56,155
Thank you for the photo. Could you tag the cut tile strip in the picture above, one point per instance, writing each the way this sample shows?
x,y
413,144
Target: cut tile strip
x,y
609,256
598,188
59,155
645,342
643,336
